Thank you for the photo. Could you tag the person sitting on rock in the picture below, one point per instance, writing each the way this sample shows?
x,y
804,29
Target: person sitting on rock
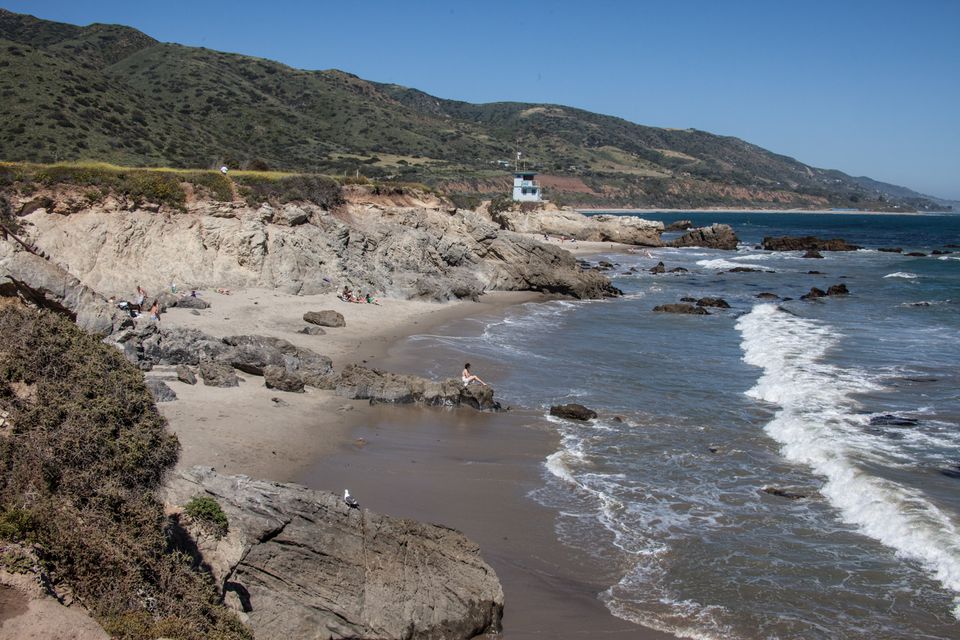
x,y
346,295
141,297
155,311
371,299
469,378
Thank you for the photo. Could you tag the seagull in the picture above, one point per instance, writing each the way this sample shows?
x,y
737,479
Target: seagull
x,y
350,500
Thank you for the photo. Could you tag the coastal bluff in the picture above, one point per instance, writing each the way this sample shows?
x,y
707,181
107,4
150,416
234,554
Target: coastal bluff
x,y
297,563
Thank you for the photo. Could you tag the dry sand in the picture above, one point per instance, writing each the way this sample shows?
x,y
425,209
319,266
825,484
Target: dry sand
x,y
270,434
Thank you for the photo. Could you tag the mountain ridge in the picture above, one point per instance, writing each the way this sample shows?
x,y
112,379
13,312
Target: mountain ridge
x,y
112,93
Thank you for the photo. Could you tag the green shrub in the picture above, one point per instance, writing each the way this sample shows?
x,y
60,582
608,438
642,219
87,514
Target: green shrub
x,y
500,204
78,477
320,190
207,511
465,200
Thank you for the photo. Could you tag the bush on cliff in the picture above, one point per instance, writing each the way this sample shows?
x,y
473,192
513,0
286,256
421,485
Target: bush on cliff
x,y
80,457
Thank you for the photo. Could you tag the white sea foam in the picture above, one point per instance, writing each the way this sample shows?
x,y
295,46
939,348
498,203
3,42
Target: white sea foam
x,y
902,274
948,258
816,426
720,263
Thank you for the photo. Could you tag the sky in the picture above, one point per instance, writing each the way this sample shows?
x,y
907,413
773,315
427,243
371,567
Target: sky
x,y
868,87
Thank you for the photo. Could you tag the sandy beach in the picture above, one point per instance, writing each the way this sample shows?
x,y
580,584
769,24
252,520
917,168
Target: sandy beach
x,y
460,468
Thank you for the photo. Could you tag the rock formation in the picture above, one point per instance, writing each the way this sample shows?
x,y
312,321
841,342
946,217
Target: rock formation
x,y
381,387
806,243
297,563
681,307
597,228
403,252
573,411
326,318
716,236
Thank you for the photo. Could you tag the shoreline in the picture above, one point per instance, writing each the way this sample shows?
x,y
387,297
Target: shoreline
x,y
590,211
468,470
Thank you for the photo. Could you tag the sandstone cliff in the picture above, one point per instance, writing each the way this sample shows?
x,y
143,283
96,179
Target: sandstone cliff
x,y
298,563
598,228
420,251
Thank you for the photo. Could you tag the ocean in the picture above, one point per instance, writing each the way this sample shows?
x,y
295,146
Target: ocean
x,y
780,469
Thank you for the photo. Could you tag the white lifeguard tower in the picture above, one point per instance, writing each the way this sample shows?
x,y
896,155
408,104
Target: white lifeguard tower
x,y
525,188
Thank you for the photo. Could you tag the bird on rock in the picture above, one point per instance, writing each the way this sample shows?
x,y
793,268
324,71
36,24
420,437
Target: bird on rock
x,y
350,500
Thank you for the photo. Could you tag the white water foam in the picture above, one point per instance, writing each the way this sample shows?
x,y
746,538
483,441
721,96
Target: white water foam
x,y
902,274
816,426
720,263
948,258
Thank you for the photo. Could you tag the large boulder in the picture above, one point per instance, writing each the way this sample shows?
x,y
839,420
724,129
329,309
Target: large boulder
x,y
254,353
279,378
806,243
716,236
160,391
191,302
327,318
382,387
573,411
298,563
217,374
718,303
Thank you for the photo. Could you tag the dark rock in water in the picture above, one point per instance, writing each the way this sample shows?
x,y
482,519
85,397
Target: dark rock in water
x,y
679,225
922,379
605,265
618,419
805,243
217,374
573,411
298,563
767,296
786,493
327,318
719,303
381,387
814,293
952,246
891,249
687,299
277,377
838,290
952,471
916,254
743,270
940,252
716,236
191,302
812,253
890,420
658,269
160,391
313,330
714,448
681,308
679,270
815,273
185,375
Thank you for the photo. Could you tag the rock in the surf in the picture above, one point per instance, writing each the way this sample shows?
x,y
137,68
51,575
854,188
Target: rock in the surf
x,y
573,411
681,307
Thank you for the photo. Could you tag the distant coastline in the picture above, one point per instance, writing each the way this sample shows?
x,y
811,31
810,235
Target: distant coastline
x,y
641,211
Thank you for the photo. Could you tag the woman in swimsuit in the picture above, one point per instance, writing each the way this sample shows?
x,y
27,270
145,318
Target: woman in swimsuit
x,y
468,377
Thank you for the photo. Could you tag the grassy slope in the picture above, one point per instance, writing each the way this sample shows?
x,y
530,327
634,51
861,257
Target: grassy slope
x,y
112,93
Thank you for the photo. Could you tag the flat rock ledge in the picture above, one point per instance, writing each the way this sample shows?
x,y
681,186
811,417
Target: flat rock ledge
x,y
298,563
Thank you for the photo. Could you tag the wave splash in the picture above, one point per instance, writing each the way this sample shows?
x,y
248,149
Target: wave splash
x,y
817,426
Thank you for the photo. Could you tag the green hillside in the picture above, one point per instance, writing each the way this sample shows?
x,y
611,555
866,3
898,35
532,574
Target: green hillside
x,y
111,93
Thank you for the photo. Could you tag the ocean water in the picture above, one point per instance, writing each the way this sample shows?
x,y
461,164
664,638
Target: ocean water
x,y
702,415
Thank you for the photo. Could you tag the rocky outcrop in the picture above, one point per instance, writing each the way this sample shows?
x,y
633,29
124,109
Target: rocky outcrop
x,y
160,391
838,290
806,243
679,225
49,286
681,307
716,236
812,253
401,252
216,374
277,377
834,290
326,318
381,387
718,303
297,563
573,411
596,228
185,374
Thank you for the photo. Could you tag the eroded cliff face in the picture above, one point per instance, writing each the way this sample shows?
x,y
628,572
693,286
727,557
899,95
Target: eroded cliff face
x,y
598,228
420,251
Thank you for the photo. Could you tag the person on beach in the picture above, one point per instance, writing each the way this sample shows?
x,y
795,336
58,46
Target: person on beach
x,y
141,297
371,299
469,378
347,294
155,311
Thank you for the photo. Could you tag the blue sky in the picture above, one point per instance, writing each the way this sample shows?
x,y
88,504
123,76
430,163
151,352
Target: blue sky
x,y
870,88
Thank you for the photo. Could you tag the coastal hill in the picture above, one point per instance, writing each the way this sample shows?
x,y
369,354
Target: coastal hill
x,y
112,93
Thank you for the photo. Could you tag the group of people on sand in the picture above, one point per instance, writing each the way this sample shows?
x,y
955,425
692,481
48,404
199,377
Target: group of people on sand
x,y
139,305
347,295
